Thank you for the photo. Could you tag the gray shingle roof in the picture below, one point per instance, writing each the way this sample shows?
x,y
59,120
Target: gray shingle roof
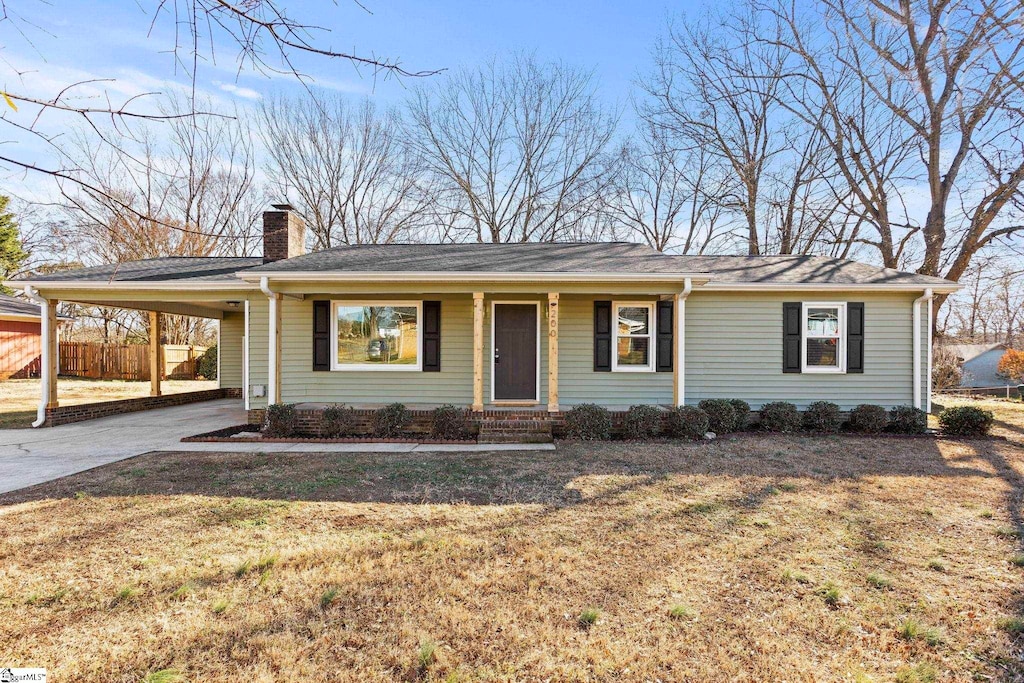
x,y
530,257
11,305
193,268
582,257
801,270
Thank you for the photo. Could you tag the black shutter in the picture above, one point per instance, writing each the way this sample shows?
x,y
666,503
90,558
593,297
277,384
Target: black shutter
x,y
855,337
321,335
666,325
602,336
791,337
431,336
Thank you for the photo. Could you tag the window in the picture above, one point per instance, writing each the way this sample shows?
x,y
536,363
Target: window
x,y
824,326
633,331
377,336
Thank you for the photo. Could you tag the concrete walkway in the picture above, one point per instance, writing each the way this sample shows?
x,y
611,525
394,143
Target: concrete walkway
x,y
32,456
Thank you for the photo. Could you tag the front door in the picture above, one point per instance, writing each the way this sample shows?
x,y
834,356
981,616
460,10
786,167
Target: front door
x,y
515,352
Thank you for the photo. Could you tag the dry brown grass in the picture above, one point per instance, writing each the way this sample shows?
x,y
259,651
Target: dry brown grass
x,y
753,558
19,397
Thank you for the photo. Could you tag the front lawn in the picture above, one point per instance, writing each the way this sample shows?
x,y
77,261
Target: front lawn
x,y
750,558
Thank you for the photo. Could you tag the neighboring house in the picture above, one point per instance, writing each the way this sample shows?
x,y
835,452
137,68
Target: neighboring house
x,y
979,363
19,338
535,327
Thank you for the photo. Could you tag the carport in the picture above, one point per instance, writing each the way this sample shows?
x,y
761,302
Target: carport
x,y
203,287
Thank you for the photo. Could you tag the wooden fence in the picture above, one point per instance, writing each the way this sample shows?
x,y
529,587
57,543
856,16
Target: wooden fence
x,y
126,361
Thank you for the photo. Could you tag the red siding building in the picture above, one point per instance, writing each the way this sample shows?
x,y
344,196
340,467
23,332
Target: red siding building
x,y
19,338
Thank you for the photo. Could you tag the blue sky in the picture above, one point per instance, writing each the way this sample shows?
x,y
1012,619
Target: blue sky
x,y
68,41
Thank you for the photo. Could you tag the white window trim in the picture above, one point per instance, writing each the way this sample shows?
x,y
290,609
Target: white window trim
x,y
652,325
375,367
841,345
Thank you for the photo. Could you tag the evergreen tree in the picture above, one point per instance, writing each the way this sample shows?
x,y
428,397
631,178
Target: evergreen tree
x,y
12,253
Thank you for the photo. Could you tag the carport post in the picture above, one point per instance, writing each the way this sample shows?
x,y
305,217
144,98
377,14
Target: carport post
x,y
154,353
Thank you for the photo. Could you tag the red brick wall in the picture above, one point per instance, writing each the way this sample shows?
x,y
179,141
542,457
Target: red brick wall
x,y
20,349
91,411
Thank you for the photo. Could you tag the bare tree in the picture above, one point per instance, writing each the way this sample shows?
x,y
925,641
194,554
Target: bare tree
x,y
666,196
918,93
517,149
264,36
352,175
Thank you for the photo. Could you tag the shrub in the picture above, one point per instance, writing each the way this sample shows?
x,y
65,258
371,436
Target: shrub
x,y
965,421
946,369
908,420
868,419
642,422
780,416
450,422
687,422
206,364
389,421
742,410
337,421
822,416
279,422
721,415
588,422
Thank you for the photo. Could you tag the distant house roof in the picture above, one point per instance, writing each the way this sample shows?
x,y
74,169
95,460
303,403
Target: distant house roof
x,y
14,306
617,260
968,352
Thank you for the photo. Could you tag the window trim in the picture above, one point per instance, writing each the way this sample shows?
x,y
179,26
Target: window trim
x,y
375,367
652,326
840,336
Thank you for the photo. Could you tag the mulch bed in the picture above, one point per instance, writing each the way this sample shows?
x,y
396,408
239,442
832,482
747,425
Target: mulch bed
x,y
227,435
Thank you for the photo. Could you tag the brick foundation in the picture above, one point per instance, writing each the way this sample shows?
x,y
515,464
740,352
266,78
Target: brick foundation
x,y
308,420
91,411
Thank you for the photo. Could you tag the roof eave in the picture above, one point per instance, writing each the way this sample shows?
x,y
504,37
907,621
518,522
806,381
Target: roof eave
x,y
832,286
463,276
149,285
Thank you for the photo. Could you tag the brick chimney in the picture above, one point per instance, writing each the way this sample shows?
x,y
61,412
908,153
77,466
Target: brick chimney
x,y
284,233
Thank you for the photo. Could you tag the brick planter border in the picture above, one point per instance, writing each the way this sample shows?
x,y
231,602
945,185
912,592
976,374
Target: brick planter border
x,y
92,411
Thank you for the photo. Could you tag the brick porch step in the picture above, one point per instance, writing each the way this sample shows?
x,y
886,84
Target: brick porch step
x,y
515,431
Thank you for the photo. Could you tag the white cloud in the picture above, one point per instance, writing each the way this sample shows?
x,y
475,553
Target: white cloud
x,y
238,91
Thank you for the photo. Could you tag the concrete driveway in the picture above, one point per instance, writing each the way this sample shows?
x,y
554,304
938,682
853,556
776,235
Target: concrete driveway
x,y
32,456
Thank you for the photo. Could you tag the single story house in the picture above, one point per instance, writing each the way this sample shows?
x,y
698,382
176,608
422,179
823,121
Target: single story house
x,y
979,364
534,327
20,338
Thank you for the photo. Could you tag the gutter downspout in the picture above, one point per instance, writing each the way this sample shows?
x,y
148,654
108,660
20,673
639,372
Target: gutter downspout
x,y
926,297
46,362
680,337
272,378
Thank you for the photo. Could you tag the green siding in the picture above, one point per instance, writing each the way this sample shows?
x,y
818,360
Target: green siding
x,y
577,381
232,329
454,384
258,348
734,350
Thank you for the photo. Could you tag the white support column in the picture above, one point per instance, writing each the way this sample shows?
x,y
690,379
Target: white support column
x,y
155,364
679,346
245,359
274,345
48,364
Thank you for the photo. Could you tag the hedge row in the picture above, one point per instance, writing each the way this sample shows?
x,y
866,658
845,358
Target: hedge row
x,y
592,422
448,422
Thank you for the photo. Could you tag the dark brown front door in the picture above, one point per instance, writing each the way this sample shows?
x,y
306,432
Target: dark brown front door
x,y
515,352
